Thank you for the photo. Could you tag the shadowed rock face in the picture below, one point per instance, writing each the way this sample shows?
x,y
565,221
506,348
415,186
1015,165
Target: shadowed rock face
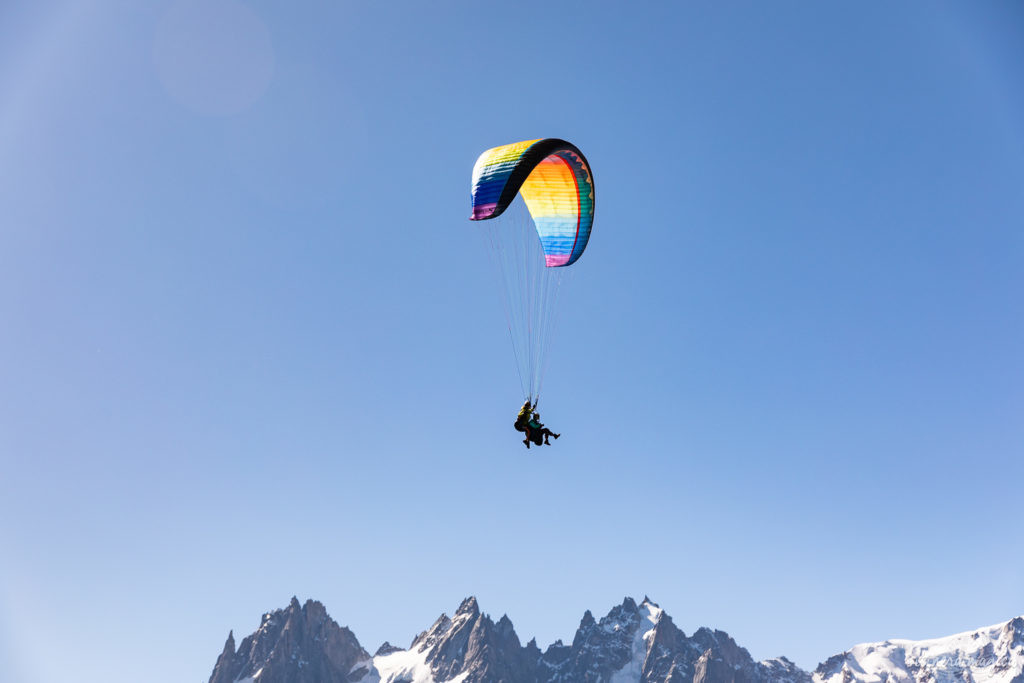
x,y
299,644
631,644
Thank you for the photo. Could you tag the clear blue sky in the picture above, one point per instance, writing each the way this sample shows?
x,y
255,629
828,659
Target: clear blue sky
x,y
250,346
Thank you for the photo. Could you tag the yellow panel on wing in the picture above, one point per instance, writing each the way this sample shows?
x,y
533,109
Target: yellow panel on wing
x,y
508,152
550,190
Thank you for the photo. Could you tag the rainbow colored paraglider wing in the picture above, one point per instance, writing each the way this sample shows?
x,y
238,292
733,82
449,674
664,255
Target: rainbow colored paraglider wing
x,y
555,181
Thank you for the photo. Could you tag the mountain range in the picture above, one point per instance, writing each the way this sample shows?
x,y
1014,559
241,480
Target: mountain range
x,y
633,643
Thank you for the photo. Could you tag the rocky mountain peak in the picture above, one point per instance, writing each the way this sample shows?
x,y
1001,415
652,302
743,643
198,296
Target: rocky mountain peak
x,y
298,644
228,652
427,638
469,646
504,626
1014,632
722,644
468,608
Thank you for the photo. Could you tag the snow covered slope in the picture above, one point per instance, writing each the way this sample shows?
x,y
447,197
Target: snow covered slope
x,y
988,655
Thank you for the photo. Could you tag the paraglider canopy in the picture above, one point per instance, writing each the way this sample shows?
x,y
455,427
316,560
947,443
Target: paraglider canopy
x,y
557,189
554,180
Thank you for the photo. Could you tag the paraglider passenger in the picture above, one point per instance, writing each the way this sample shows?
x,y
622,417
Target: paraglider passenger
x,y
538,429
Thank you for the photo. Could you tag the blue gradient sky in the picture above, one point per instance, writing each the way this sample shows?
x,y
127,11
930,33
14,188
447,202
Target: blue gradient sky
x,y
250,346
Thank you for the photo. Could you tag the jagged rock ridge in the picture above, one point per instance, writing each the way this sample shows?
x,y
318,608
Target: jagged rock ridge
x,y
631,644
